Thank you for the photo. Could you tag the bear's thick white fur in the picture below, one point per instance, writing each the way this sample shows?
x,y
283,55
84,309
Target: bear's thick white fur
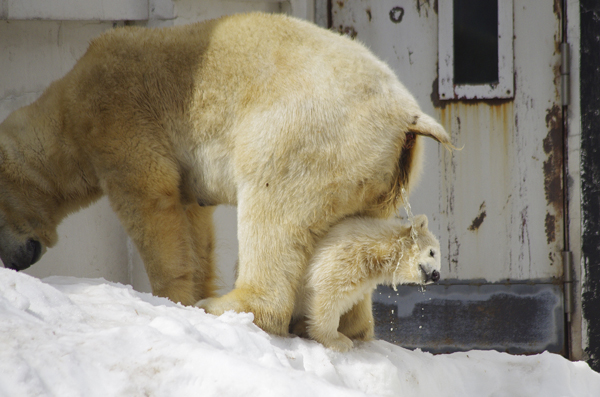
x,y
349,262
297,126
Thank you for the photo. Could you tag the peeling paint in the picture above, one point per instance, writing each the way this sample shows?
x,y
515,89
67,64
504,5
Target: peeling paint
x,y
479,218
550,228
396,14
435,94
348,31
525,240
425,6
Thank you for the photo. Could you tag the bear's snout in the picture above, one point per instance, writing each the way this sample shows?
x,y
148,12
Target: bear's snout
x,y
25,256
431,275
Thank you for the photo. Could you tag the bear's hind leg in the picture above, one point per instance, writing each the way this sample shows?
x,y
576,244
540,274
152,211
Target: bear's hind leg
x,y
273,253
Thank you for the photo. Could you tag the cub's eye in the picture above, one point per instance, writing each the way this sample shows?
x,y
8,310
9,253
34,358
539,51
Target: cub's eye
x,y
432,253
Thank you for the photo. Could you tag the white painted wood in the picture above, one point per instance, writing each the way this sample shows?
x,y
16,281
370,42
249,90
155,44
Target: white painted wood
x,y
103,10
82,10
304,9
92,243
161,9
505,86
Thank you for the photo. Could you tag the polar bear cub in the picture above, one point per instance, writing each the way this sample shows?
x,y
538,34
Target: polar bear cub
x,y
354,257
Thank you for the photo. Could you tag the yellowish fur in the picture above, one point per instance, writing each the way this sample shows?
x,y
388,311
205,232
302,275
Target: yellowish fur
x,y
298,126
349,262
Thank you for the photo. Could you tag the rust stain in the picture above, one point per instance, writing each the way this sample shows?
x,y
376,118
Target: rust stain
x,y
420,3
441,104
348,31
435,95
478,219
524,240
550,228
558,8
553,147
552,166
340,3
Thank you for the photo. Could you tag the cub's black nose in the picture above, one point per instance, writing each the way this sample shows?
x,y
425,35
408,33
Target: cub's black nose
x,y
435,276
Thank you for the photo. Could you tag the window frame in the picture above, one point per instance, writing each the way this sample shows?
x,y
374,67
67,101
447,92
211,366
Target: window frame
x,y
504,89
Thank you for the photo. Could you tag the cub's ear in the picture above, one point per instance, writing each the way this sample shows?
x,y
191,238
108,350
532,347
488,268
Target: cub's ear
x,y
425,125
421,221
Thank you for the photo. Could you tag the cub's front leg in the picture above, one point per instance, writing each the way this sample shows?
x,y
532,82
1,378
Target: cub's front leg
x,y
358,322
323,320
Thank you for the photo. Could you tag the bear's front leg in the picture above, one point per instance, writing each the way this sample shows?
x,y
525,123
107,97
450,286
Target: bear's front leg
x,y
167,233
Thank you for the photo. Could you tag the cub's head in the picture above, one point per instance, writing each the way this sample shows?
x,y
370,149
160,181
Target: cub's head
x,y
419,256
428,257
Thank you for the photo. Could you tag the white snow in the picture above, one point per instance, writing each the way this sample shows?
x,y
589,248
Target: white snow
x,y
89,337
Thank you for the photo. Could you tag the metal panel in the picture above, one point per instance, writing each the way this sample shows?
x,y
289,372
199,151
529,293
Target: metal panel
x,y
502,196
497,204
517,318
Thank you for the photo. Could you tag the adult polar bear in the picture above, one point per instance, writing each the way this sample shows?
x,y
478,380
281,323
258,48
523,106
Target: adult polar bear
x,y
298,126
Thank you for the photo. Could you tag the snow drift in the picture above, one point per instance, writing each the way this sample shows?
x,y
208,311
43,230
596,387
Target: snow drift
x,y
89,337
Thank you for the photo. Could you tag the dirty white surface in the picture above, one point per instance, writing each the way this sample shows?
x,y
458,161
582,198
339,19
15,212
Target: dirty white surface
x,y
496,205
88,337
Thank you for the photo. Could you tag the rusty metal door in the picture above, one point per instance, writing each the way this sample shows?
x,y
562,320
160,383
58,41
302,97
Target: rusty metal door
x,y
496,205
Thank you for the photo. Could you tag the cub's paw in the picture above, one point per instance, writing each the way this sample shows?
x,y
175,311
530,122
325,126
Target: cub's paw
x,y
341,343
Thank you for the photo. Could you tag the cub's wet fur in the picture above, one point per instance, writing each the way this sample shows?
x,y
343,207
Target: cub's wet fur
x,y
349,262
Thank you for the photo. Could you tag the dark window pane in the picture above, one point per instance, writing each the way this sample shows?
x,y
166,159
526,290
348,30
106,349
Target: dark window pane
x,y
475,41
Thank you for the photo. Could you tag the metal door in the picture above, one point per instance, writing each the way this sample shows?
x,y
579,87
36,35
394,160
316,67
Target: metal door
x,y
497,204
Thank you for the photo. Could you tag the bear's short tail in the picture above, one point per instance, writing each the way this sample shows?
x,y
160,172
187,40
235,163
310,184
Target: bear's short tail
x,y
427,126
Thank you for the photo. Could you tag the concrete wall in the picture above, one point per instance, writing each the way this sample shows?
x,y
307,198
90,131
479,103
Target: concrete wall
x,y
38,46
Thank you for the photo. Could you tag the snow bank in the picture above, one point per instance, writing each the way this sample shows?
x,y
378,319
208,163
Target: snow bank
x,y
88,337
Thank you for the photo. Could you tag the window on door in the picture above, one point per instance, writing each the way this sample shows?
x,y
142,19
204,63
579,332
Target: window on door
x,y
475,49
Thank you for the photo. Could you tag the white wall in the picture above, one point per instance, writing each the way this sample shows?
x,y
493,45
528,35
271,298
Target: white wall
x,y
35,52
